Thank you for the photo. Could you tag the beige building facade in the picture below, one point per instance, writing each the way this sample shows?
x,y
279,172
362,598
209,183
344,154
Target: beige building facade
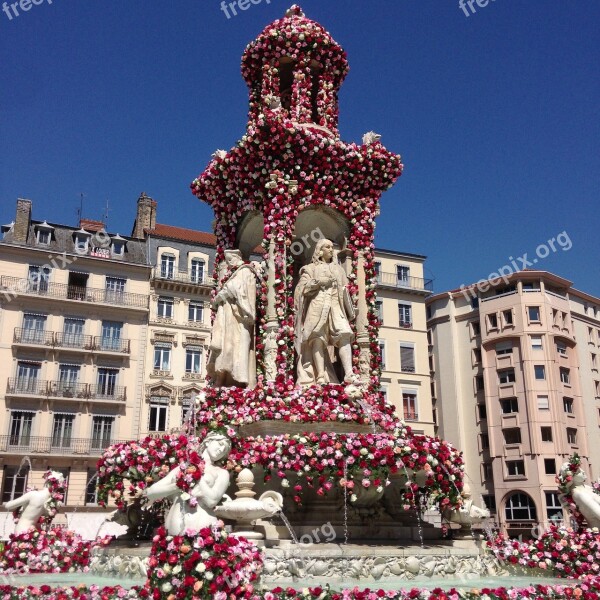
x,y
515,386
73,334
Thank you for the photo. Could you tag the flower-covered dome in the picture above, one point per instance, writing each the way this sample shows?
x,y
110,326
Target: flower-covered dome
x,y
297,38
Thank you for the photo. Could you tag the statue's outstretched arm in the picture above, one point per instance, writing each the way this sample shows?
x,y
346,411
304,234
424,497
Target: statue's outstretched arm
x,y
24,499
164,488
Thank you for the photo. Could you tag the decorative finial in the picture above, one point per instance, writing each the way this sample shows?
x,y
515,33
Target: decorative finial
x,y
294,11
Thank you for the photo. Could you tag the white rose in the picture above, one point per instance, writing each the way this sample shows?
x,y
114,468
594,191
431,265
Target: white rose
x,y
200,567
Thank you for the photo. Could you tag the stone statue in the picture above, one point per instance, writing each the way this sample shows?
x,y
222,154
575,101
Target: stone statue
x,y
35,504
232,361
208,492
324,310
468,513
587,501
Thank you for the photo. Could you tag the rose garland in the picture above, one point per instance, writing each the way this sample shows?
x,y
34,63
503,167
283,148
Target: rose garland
x,y
189,474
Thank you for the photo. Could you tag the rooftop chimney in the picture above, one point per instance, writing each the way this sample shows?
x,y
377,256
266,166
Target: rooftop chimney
x,y
146,216
22,221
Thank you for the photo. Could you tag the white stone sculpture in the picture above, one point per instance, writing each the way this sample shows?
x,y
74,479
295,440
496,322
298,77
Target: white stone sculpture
x,y
370,138
232,361
34,504
587,501
208,492
323,313
469,513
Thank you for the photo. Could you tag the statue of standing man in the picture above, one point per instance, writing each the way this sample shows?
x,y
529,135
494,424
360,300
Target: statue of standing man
x,y
232,359
323,313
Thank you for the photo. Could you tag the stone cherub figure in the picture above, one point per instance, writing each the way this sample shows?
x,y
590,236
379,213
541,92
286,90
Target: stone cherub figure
x,y
207,493
232,357
469,513
587,501
324,310
35,504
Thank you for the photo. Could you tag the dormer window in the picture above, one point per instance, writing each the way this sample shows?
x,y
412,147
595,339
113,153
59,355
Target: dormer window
x,y
82,241
118,246
43,233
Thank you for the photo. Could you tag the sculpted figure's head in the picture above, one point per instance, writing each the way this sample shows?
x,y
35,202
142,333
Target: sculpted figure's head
x,y
233,258
217,446
54,477
323,251
577,478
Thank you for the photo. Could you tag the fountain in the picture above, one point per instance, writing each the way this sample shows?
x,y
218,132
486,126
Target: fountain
x,y
293,405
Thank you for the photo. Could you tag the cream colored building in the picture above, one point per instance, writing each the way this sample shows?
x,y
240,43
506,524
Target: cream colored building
x,y
405,379
516,388
73,334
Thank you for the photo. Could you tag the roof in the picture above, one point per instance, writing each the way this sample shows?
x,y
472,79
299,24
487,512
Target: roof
x,y
182,234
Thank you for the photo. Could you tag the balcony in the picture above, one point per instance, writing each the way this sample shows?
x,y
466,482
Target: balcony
x,y
33,387
13,286
180,280
414,284
73,341
65,446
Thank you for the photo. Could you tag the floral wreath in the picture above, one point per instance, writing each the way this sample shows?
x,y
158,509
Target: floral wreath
x,y
57,486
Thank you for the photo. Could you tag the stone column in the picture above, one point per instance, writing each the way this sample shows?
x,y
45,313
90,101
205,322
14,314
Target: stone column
x,y
272,326
362,323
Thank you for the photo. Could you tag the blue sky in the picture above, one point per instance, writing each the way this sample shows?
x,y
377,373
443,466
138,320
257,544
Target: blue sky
x,y
496,116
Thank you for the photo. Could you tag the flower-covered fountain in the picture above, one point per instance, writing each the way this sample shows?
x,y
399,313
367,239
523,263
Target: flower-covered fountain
x,y
293,403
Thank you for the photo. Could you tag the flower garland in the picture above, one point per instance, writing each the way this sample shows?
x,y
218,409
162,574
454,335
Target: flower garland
x,y
209,565
189,474
54,551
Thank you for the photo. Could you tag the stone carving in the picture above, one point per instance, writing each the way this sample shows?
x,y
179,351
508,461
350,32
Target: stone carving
x,y
271,355
232,360
370,138
34,504
323,313
587,501
207,493
468,513
124,565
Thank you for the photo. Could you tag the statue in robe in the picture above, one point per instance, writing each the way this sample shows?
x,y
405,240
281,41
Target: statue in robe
x,y
324,311
232,360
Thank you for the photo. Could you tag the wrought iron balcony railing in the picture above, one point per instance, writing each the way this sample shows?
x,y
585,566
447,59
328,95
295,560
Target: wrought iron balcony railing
x,y
106,344
108,392
33,337
68,389
77,341
182,277
409,283
72,340
57,446
31,386
13,286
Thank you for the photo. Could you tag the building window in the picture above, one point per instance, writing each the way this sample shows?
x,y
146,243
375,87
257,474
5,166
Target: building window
x,y
492,321
162,357
479,384
14,483
62,430
411,409
21,425
407,358
115,289
38,279
193,360
43,237
377,269
487,472
382,355
167,266
546,434
384,393
561,348
550,466
118,248
91,487
477,356
490,502
197,270
165,308
508,317
536,342
506,376
543,403
112,333
572,436
568,405
475,329
565,376
28,378
597,387
107,382
102,431
515,468
540,372
509,406
503,348
403,274
34,328
196,312
68,379
512,435
520,507
482,411
594,361
485,441
405,314
531,287
554,510
534,314
379,311
158,414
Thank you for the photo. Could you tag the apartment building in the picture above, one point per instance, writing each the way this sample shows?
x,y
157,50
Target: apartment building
x,y
405,379
73,334
179,318
515,381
